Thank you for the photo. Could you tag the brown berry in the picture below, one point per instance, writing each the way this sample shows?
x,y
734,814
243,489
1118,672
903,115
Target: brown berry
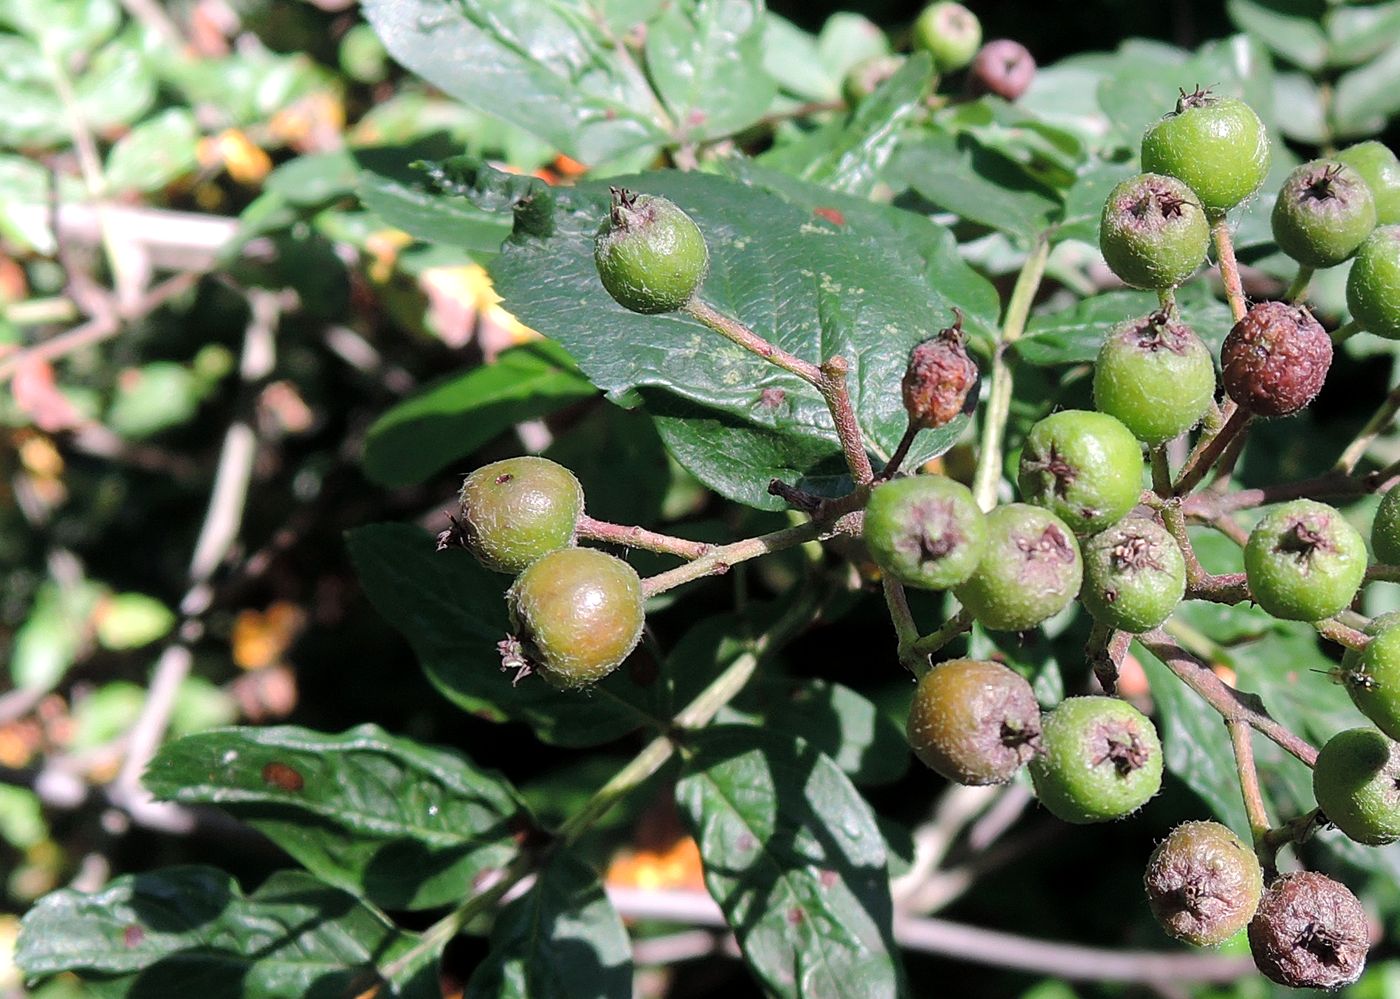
x,y
974,722
939,379
1203,883
1003,67
1310,933
1275,359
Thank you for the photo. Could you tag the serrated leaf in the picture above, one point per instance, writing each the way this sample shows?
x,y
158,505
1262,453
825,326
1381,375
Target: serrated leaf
x,y
795,859
561,940
407,826
191,931
448,421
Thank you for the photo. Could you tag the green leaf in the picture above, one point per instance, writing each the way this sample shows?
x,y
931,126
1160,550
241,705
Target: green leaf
x,y
1367,97
446,422
560,940
131,620
1288,27
795,860
415,198
24,191
406,826
790,57
705,59
609,438
48,641
191,931
154,153
545,65
1358,33
1085,198
67,28
452,611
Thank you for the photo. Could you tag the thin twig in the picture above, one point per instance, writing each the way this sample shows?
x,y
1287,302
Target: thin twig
x,y
1344,635
1374,427
1241,741
1199,464
1229,266
906,631
631,536
960,622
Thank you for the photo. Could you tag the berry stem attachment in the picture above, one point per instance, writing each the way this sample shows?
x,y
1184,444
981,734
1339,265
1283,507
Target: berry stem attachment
x,y
1229,266
1209,450
957,624
998,409
906,631
639,537
1345,635
1295,830
1346,331
1161,471
900,453
1298,290
737,332
1242,742
1105,651
1377,424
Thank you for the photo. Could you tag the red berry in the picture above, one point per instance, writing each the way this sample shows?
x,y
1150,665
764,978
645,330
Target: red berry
x,y
1275,359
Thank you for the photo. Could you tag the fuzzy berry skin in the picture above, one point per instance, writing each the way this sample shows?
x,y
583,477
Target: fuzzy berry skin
x,y
974,722
516,510
1203,883
1153,232
1380,170
950,33
1084,467
1275,359
1155,376
1134,575
1372,677
1373,285
1217,145
1303,561
1030,571
925,531
1310,933
1100,760
939,378
1385,529
577,614
1356,782
651,256
1323,213
1002,67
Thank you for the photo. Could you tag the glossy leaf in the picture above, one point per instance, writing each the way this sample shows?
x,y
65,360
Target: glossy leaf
x,y
1074,335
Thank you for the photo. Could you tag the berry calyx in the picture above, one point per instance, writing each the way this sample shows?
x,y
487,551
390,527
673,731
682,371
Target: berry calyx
x,y
1217,145
1373,284
1385,529
1356,782
1303,561
1153,232
925,531
950,33
1155,376
1203,883
1380,170
1029,572
1275,359
974,722
1134,575
577,614
1310,933
1323,212
939,378
516,510
1085,467
1100,760
1002,67
1372,677
651,256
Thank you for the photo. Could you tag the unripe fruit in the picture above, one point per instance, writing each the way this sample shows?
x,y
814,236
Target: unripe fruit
x,y
1002,67
866,76
1030,571
974,722
1303,561
950,33
1153,232
1203,883
1083,466
1385,529
1380,170
651,256
1155,376
925,531
1310,933
939,378
1100,760
1134,575
577,614
1373,285
1275,359
1372,678
1323,212
1356,782
1217,145
516,510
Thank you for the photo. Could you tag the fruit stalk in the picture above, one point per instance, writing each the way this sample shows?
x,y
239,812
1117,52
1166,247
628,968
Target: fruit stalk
x,y
1199,464
1241,741
928,644
1382,418
906,631
1229,266
1298,290
1343,634
631,536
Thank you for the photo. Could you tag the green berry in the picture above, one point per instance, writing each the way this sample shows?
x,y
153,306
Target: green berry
x,y
1323,212
577,614
1100,760
1153,232
866,76
1155,376
925,531
1083,466
1134,575
651,256
1203,883
1373,286
516,510
1030,571
974,722
950,33
1310,932
1304,562
1372,677
1385,529
1356,781
1381,171
1217,145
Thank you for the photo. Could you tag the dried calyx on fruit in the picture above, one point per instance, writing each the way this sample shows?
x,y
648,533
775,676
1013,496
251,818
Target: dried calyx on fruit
x,y
1155,376
925,531
1275,359
1203,883
974,722
940,379
1030,571
1134,575
1100,760
1323,212
1002,67
1153,232
1310,933
1216,144
651,256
